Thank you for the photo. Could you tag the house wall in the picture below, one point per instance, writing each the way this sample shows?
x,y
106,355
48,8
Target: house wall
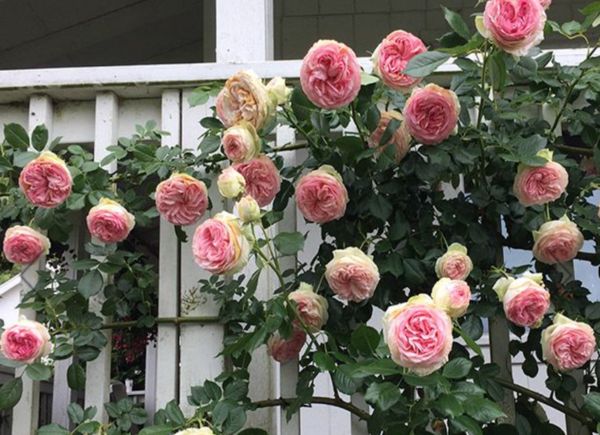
x,y
362,24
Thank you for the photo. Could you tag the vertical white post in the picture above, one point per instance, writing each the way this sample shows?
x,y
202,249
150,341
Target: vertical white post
x,y
200,343
26,412
167,363
244,30
97,382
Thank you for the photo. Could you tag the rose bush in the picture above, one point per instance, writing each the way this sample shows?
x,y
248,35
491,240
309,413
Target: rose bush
x,y
418,187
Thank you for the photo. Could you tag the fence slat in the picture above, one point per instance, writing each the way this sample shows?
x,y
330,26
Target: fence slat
x,y
26,412
168,290
197,342
97,382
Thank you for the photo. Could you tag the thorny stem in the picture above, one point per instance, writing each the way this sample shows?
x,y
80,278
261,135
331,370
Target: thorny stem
x,y
356,122
338,403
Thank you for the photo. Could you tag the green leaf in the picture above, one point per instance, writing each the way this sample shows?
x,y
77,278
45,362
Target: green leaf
x,y
289,243
324,361
38,371
465,424
483,410
591,403
380,207
389,131
457,23
457,368
75,412
365,339
425,63
91,284
157,430
22,158
367,79
16,136
52,429
174,413
383,395
10,393
76,377
39,137
422,381
448,406
209,144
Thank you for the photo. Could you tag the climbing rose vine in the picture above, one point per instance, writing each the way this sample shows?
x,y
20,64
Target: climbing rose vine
x,y
418,185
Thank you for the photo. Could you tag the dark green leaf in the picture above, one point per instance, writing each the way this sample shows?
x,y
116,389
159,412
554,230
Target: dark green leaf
x,y
365,339
157,430
483,410
76,377
289,243
425,63
383,395
91,284
39,137
457,368
16,136
457,23
10,393
38,372
448,406
52,429
591,403
324,361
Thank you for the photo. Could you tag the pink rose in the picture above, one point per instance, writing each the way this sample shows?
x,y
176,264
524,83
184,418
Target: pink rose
x,y
282,350
25,341
455,263
240,142
537,185
431,114
244,98
109,221
24,245
311,308
392,56
513,25
525,300
46,181
219,245
262,179
557,241
181,199
567,344
352,274
418,335
452,295
400,138
330,74
321,195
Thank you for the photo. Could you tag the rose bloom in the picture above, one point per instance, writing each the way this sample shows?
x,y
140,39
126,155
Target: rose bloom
x,y
525,300
219,245
248,209
244,98
352,274
25,341
392,56
321,195
231,183
262,179
400,139
330,74
567,344
196,431
278,91
455,263
282,350
311,307
452,295
431,114
181,199
109,221
557,241
418,335
513,25
537,185
46,181
24,245
240,142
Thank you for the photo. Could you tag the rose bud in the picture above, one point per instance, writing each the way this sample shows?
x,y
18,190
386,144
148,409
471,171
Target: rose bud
x,y
452,295
455,263
278,91
231,183
240,142
248,209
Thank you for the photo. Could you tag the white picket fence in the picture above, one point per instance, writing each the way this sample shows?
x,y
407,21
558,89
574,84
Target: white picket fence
x,y
94,107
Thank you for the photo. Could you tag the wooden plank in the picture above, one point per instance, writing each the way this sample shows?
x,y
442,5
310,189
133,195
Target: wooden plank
x,y
97,382
167,360
199,344
26,412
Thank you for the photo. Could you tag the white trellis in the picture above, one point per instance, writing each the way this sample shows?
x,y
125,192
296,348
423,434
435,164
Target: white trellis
x,y
95,106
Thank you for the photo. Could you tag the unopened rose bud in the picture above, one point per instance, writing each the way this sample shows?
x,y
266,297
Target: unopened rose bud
x,y
231,183
248,209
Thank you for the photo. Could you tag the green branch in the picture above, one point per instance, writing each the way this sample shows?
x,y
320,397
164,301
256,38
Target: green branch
x,y
338,403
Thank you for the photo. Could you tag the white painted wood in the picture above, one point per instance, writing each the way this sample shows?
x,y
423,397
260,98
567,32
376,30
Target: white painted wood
x,y
150,378
26,412
137,112
170,75
246,36
74,121
97,382
199,344
167,360
358,426
17,113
